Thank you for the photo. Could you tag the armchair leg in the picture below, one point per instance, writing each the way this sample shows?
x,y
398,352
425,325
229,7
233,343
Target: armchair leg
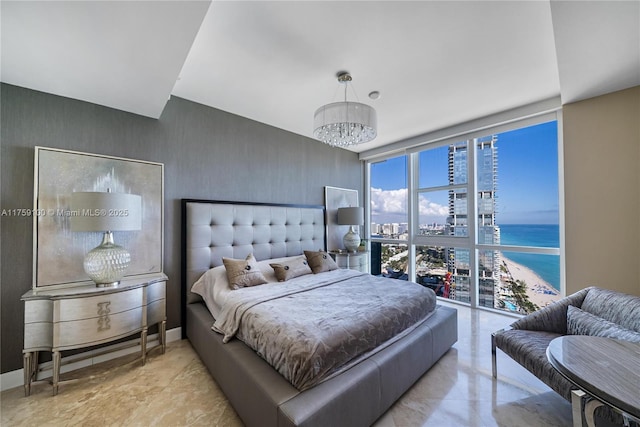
x,y
494,368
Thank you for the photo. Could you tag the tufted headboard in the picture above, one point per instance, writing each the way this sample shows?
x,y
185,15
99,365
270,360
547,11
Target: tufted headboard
x,y
215,229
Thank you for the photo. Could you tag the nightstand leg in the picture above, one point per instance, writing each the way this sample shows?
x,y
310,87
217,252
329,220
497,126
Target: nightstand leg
x,y
163,335
27,366
56,371
34,365
143,345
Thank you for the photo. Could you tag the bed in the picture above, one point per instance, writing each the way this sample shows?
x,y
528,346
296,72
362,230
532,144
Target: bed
x,y
355,396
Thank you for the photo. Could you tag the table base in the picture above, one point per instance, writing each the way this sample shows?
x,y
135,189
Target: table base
x,y
587,413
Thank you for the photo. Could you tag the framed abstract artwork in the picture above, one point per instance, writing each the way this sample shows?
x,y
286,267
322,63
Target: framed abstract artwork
x,y
58,252
335,198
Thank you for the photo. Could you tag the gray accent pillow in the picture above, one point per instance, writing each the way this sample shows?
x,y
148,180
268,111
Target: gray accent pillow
x,y
580,322
243,272
320,261
291,268
617,307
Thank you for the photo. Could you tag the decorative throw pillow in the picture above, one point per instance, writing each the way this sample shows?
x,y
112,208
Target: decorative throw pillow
x,y
320,261
580,322
617,307
243,273
291,268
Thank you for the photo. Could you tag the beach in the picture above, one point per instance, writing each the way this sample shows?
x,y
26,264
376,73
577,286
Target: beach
x,y
539,291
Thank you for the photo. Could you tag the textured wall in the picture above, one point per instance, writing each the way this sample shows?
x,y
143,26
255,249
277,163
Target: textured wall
x,y
207,154
602,192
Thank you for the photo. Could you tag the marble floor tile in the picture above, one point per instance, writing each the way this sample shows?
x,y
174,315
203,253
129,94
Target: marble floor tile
x,y
175,389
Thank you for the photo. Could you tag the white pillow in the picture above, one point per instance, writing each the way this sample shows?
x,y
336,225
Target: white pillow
x,y
213,287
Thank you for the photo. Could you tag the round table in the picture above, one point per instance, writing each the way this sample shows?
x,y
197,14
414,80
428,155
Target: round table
x,y
606,369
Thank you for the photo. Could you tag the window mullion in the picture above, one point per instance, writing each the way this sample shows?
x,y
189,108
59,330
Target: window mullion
x,y
472,223
366,203
412,210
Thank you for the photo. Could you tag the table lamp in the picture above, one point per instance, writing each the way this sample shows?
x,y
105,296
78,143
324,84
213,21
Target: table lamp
x,y
106,212
353,217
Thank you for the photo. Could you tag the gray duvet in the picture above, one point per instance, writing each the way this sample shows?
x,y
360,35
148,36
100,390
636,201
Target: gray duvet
x,y
312,327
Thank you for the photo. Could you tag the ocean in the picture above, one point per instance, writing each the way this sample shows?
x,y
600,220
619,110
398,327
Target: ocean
x,y
540,235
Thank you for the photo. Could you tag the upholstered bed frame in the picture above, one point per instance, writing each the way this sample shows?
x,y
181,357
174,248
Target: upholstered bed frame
x,y
261,396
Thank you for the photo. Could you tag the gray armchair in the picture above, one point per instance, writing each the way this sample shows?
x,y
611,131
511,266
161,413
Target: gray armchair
x,y
527,339
596,311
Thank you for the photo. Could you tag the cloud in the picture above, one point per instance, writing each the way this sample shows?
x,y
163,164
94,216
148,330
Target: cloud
x,y
431,209
391,206
388,201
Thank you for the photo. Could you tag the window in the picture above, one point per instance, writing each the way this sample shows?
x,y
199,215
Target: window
x,y
388,195
389,226
527,217
486,209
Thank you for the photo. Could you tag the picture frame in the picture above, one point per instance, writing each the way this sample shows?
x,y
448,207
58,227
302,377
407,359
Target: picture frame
x,y
334,198
58,253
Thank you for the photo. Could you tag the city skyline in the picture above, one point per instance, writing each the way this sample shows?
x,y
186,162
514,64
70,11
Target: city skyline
x,y
527,158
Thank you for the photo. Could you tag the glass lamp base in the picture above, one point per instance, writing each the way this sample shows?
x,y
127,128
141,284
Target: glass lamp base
x,y
107,263
351,240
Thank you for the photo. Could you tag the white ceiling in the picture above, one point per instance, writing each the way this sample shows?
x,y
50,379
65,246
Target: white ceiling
x,y
435,63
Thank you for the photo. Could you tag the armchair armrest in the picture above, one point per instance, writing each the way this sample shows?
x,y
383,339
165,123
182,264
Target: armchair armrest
x,y
552,318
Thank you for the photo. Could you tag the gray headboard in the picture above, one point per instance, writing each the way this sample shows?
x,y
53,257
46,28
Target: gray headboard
x,y
215,229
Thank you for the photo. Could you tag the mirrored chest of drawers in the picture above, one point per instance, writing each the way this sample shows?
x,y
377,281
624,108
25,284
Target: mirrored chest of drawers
x,y
71,318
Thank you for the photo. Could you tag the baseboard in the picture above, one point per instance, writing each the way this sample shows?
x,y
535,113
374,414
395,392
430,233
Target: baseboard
x,y
13,379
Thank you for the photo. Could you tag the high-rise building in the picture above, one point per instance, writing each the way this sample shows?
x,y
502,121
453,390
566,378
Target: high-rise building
x,y
457,221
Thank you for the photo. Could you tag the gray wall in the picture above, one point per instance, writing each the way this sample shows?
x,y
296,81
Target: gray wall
x,y
207,154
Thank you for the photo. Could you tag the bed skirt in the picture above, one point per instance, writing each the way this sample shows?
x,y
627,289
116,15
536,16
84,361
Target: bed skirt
x,y
356,397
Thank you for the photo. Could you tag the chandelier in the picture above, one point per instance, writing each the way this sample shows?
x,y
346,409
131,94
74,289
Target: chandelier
x,y
342,124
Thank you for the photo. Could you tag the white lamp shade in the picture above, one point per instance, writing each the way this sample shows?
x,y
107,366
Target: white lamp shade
x,y
345,123
351,216
101,211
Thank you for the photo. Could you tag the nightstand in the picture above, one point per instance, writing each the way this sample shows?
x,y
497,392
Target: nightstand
x,y
352,260
83,316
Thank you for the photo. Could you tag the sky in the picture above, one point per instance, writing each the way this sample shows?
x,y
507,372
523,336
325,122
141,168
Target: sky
x,y
527,189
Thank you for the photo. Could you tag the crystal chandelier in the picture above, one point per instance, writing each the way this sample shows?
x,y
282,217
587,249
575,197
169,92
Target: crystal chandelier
x,y
342,124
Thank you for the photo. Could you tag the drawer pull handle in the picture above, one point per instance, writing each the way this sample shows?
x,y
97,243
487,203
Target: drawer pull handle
x,y
103,312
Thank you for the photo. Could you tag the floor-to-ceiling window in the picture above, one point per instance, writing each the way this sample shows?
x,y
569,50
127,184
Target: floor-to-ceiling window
x,y
475,218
